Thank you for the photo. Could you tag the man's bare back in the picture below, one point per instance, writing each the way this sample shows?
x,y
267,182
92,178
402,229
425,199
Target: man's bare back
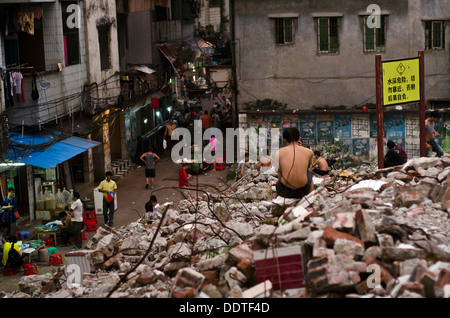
x,y
322,164
293,164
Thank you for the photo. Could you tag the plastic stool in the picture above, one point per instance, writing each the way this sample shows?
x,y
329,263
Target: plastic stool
x,y
30,269
52,250
55,259
219,164
90,215
90,225
24,235
83,237
49,242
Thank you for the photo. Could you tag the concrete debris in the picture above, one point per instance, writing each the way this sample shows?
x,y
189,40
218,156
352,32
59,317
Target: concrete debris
x,y
384,233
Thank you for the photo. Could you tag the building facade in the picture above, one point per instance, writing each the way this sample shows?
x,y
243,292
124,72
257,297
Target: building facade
x,y
313,54
316,61
61,59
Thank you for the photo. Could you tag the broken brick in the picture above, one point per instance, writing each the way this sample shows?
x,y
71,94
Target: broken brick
x,y
331,235
240,253
390,254
412,287
366,228
344,221
408,198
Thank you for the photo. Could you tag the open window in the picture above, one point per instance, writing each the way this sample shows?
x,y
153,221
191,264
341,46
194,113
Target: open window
x,y
104,31
23,38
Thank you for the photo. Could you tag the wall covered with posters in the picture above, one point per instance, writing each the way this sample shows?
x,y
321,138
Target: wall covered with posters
x,y
357,131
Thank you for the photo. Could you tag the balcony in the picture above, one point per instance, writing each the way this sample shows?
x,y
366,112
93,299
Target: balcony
x,y
61,97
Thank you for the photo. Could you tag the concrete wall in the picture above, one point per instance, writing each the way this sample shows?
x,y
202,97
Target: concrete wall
x,y
297,75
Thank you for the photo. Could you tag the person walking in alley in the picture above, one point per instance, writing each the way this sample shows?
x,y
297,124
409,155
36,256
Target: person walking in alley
x,y
170,127
77,210
184,181
9,207
108,187
293,163
430,134
149,158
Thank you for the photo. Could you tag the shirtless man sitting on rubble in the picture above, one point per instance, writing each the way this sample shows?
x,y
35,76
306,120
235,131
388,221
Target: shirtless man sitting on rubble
x,y
320,165
293,162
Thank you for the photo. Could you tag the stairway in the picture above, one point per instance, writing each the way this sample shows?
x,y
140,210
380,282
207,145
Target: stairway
x,y
120,167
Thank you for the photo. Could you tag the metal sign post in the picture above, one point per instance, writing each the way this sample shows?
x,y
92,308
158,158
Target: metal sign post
x,y
379,94
423,149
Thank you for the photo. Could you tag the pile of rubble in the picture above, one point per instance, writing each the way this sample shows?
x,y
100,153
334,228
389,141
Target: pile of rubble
x,y
381,233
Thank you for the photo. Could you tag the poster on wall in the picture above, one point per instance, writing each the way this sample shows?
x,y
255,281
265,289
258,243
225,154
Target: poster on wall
x,y
412,126
360,126
373,126
445,133
308,130
343,126
325,131
361,147
395,125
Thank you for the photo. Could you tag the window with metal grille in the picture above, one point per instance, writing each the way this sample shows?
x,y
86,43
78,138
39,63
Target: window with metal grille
x,y
375,38
434,35
328,35
284,30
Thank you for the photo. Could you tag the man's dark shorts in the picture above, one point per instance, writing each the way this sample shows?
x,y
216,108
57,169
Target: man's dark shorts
x,y
150,173
320,172
286,192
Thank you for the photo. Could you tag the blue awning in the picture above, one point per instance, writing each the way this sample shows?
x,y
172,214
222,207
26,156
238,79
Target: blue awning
x,y
43,151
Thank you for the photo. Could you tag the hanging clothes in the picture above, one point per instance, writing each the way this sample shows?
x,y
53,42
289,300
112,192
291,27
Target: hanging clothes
x,y
26,22
8,85
18,84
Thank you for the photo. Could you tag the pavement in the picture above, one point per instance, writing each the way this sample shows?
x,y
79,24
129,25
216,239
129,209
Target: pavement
x,y
131,198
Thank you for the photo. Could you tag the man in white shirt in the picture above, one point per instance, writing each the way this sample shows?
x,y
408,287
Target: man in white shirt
x,y
77,219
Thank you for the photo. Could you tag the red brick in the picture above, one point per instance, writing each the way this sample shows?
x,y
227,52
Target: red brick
x,y
178,292
443,278
331,235
240,253
210,275
147,276
366,228
409,198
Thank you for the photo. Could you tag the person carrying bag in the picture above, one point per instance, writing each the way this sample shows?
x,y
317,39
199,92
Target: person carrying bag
x,y
11,213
